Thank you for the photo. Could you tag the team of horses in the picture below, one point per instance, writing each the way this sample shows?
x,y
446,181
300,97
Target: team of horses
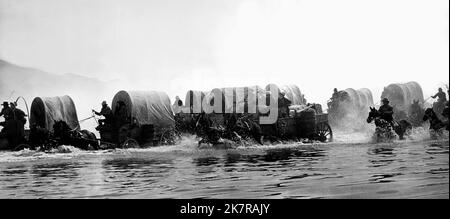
x,y
239,129
387,131
62,134
244,129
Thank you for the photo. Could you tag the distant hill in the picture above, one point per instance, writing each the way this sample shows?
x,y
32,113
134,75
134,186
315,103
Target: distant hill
x,y
86,92
16,80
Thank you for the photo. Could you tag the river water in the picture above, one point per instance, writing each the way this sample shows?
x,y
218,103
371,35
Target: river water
x,y
348,168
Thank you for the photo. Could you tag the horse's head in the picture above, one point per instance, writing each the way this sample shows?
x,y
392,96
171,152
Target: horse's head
x,y
373,114
60,128
242,123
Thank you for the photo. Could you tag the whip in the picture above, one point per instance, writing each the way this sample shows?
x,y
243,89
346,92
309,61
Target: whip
x,y
26,105
90,117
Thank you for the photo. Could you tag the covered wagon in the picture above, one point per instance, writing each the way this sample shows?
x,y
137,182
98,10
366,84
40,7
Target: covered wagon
x,y
140,118
407,100
350,107
45,111
54,121
252,103
217,104
304,120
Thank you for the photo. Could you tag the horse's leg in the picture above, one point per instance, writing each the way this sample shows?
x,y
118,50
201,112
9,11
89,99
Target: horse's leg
x,y
261,140
380,135
257,133
399,131
440,132
82,140
92,139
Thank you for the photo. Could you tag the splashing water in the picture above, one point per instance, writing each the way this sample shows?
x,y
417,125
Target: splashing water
x,y
351,167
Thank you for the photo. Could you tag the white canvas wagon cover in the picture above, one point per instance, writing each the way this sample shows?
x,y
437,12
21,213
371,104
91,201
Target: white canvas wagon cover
x,y
292,92
403,95
147,107
361,98
46,110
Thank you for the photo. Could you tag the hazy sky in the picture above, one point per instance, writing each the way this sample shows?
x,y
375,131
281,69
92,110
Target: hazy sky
x,y
175,45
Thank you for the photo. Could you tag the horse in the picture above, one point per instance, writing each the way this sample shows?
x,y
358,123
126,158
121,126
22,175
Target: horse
x,y
245,126
83,139
384,128
12,135
40,137
213,137
416,113
436,124
206,131
445,114
439,106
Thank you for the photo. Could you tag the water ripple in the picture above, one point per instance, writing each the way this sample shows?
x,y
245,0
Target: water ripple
x,y
410,169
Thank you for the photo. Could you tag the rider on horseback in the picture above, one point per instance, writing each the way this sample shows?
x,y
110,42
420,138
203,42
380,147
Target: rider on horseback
x,y
384,121
442,98
386,111
283,105
440,104
105,112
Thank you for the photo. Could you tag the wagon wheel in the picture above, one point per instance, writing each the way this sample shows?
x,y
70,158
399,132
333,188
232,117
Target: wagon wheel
x,y
176,134
169,137
130,143
324,132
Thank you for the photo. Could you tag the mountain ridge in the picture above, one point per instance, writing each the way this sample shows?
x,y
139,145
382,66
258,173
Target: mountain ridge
x,y
27,81
87,93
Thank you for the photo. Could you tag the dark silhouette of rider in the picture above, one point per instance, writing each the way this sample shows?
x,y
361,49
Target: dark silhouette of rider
x,y
386,111
283,105
106,112
441,96
335,94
